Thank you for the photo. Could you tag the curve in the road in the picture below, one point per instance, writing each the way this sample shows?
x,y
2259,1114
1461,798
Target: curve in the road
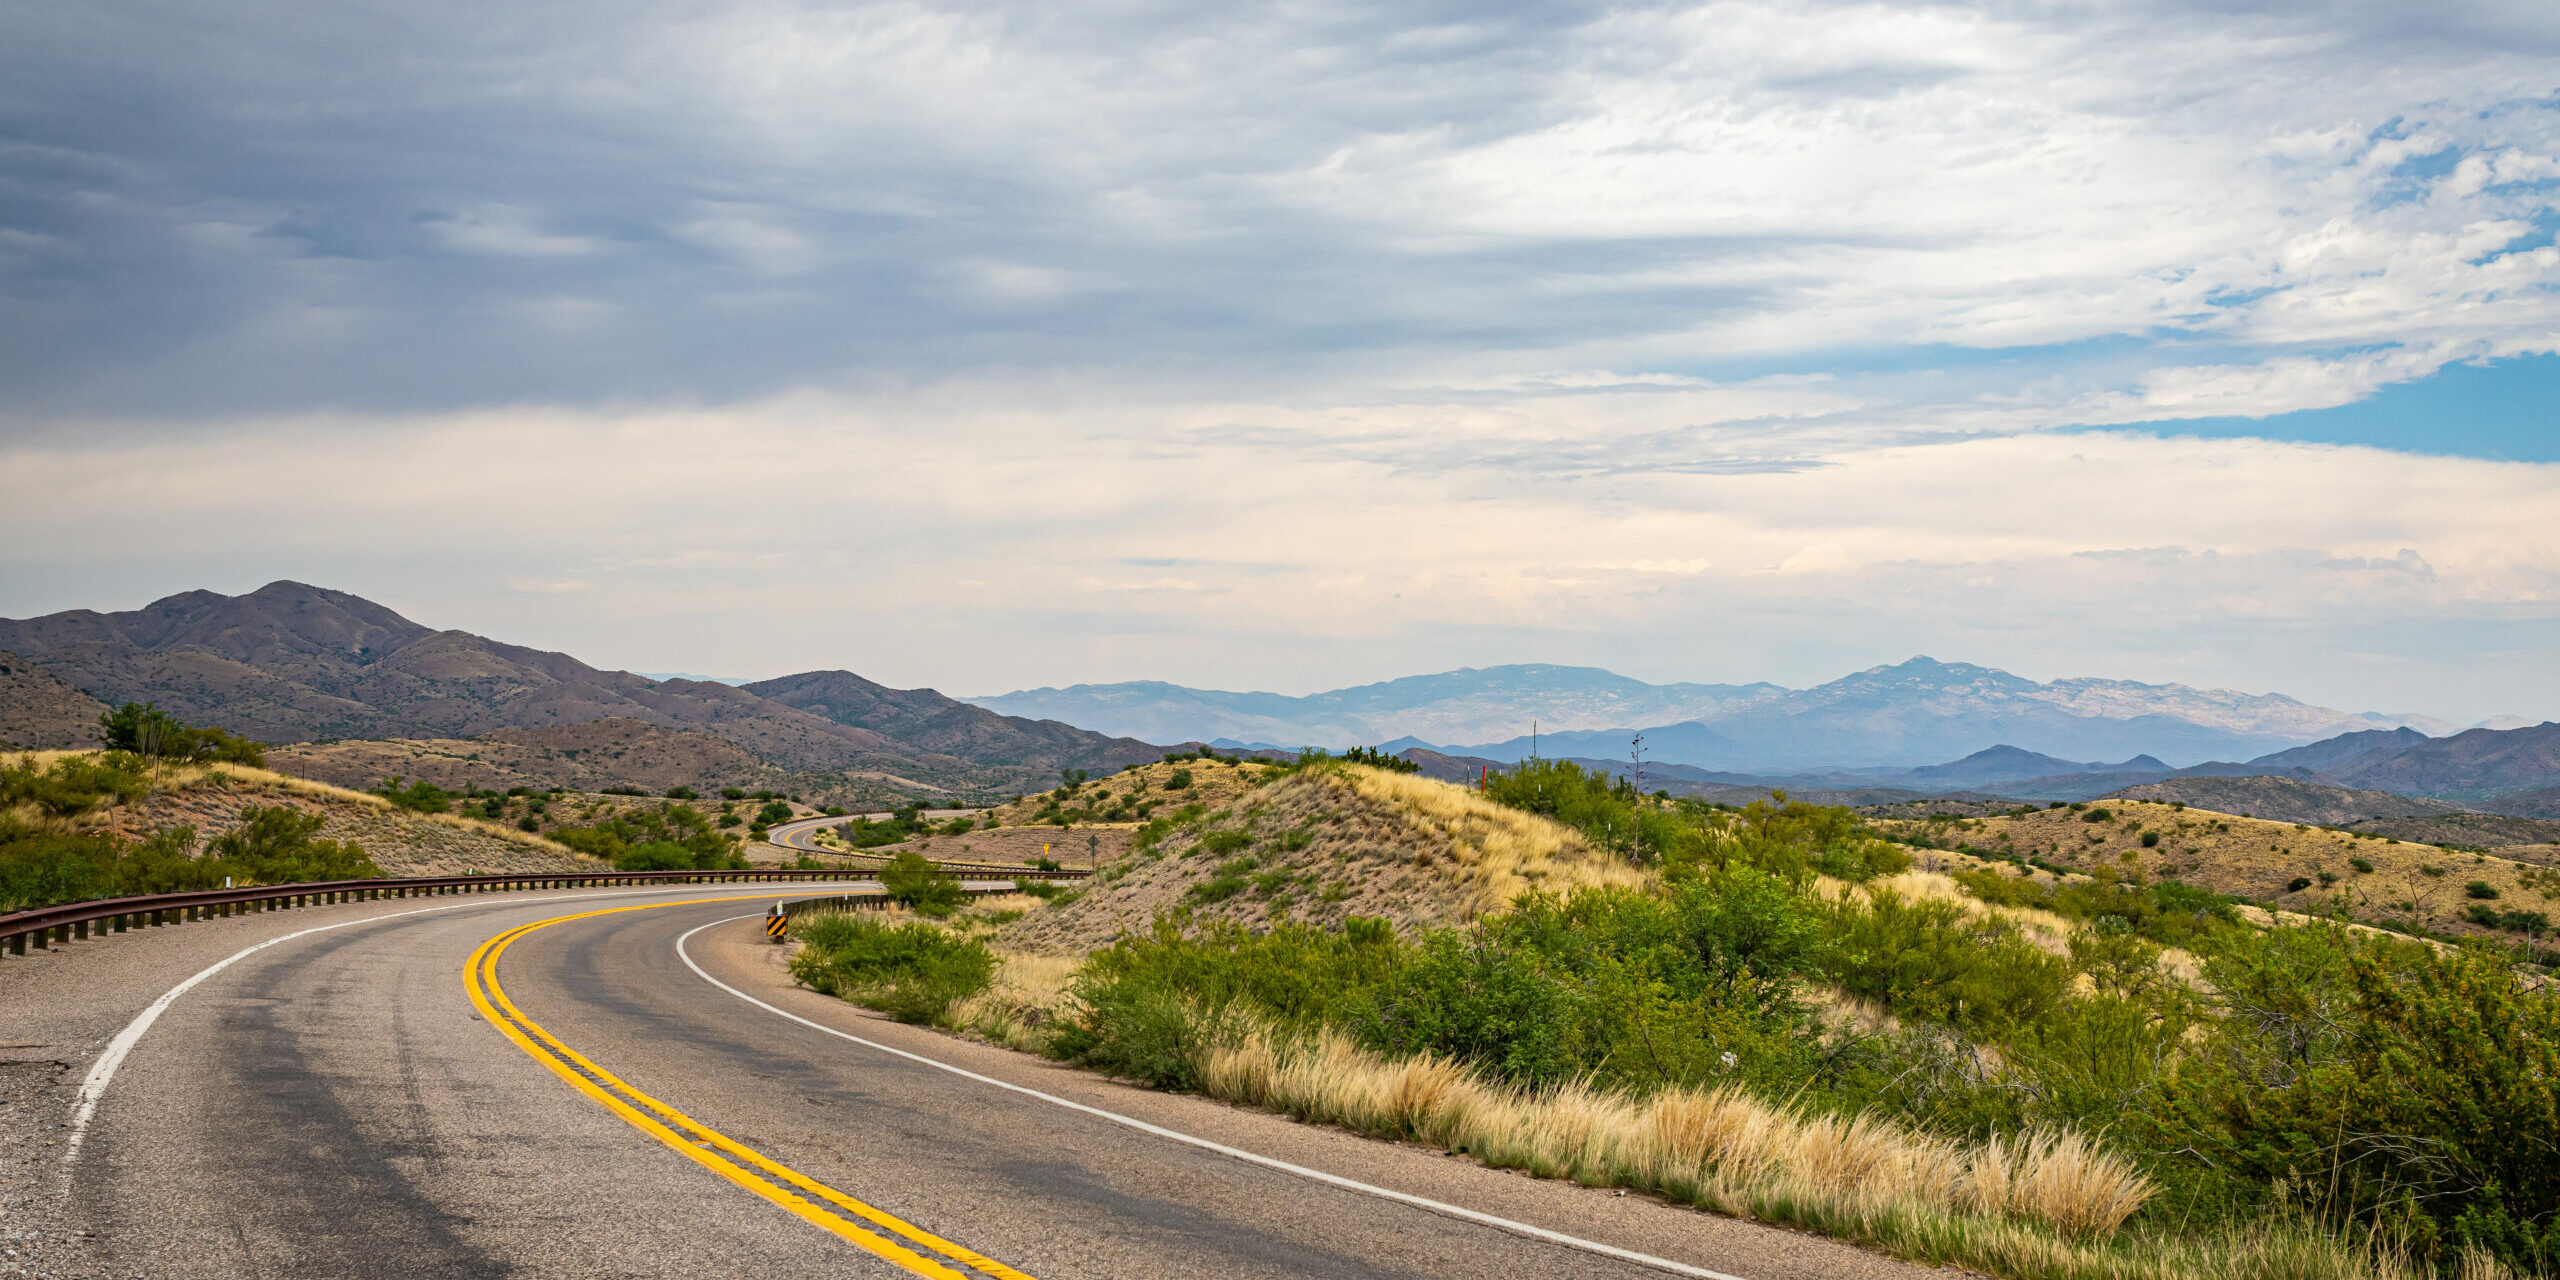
x,y
716,1151
1249,1157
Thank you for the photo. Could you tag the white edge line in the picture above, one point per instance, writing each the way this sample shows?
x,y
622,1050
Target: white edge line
x,y
1175,1135
92,1088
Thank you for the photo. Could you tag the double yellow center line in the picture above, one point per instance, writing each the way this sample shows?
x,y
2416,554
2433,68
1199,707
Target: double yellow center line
x,y
897,1241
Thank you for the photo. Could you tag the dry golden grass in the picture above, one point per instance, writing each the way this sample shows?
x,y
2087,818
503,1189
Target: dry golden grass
x,y
1214,785
2255,858
2044,929
1500,851
1721,1148
1017,1009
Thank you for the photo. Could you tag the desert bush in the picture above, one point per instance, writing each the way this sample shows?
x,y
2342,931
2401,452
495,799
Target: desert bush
x,y
1377,759
674,837
914,971
277,844
144,729
913,881
41,866
1931,959
2413,1088
421,796
72,785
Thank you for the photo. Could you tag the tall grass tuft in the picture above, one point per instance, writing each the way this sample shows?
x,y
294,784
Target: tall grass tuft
x,y
1717,1146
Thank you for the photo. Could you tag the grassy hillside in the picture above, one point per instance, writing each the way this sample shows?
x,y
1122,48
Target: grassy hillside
x,y
2086,1069
77,825
1322,845
2291,866
2285,800
1134,795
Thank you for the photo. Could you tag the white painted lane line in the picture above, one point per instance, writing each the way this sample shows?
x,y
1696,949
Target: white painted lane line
x,y
85,1102
1314,1175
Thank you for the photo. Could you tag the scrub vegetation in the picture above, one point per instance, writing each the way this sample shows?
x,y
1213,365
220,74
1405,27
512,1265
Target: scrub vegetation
x,y
98,824
1777,1011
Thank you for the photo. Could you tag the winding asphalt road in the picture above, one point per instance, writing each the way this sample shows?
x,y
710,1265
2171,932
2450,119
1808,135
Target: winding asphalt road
x,y
551,1085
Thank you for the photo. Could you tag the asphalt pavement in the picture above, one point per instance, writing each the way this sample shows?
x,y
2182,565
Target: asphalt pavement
x,y
336,1104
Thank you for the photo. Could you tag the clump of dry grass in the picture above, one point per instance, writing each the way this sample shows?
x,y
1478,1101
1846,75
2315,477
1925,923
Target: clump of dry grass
x,y
1502,852
1019,1007
1717,1147
2049,1204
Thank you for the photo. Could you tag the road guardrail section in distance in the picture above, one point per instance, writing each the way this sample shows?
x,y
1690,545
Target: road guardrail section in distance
x,y
74,921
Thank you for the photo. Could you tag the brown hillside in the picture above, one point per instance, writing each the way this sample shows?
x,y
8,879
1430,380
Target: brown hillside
x,y
401,843
296,663
928,721
2258,859
1323,844
290,662
582,757
38,710
2285,800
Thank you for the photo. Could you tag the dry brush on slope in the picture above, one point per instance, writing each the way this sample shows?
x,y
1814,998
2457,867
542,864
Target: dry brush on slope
x,y
2295,867
1321,845
212,800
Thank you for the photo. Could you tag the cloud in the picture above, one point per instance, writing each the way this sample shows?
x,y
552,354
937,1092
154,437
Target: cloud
x,y
1261,343
460,206
1037,545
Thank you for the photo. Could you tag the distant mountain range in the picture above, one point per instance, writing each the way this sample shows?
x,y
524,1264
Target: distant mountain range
x,y
1906,715
296,663
2397,773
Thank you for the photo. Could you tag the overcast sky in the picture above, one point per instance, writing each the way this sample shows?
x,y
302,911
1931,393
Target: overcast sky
x,y
1289,347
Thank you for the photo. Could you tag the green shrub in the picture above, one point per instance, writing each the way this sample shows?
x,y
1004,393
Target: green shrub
x,y
1180,781
1376,759
2415,1088
421,796
73,785
2480,889
914,972
1227,883
2297,884
914,882
683,793
2362,867
279,845
1926,959
676,837
1147,1002
145,730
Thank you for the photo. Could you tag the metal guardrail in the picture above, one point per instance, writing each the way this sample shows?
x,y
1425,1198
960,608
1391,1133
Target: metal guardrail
x,y
869,899
75,921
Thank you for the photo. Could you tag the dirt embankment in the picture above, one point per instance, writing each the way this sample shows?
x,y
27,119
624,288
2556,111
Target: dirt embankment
x,y
1321,845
